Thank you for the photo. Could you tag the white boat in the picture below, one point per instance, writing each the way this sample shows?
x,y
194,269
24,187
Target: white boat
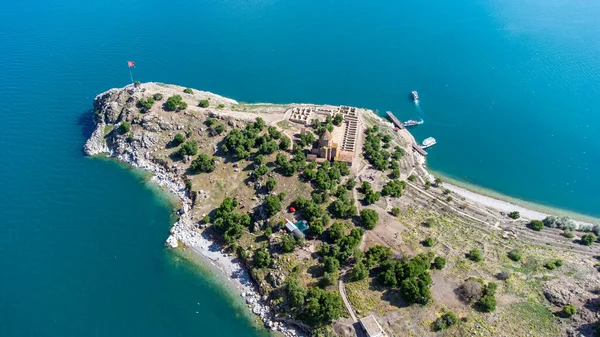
x,y
412,122
415,95
428,142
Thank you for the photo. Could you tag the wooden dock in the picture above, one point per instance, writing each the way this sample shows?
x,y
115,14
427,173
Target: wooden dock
x,y
395,120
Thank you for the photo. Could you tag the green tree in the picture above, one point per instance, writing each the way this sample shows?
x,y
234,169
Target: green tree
x,y
487,303
445,321
157,96
336,232
536,225
203,103
219,129
203,163
284,142
259,123
259,159
369,218
262,257
175,103
475,255
188,91
396,211
179,139
288,242
359,272
146,104
189,148
588,239
210,122
295,292
271,183
331,264
338,119
393,188
439,262
272,205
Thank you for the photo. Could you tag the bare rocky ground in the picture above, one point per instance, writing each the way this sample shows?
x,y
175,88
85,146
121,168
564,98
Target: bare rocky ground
x,y
528,302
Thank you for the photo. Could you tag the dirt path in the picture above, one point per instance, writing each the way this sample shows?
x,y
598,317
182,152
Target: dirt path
x,y
345,299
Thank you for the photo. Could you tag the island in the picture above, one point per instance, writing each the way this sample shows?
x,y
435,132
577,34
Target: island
x,y
326,221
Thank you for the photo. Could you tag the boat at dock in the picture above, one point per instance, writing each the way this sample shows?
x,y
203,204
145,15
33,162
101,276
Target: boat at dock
x,y
428,142
412,122
415,95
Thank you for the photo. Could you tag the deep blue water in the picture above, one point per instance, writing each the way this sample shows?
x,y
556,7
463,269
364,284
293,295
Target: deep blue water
x,y
510,89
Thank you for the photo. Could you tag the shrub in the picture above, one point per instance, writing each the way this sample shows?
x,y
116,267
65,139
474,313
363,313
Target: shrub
x,y
220,106
475,255
559,263
514,215
210,122
393,188
268,231
175,103
569,310
515,255
179,139
331,264
157,96
487,303
503,275
124,127
568,234
189,148
146,104
445,321
369,218
295,292
284,142
206,219
203,103
203,163
395,211
550,265
471,290
412,178
439,262
588,239
188,90
262,258
536,225
428,242
219,129
271,183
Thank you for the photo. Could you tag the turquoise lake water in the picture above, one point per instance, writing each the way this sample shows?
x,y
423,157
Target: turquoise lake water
x,y
510,89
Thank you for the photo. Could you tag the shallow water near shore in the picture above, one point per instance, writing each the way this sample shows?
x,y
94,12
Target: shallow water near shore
x,y
509,89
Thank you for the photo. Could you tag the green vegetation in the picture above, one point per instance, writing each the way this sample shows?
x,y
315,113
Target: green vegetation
x,y
411,277
157,96
412,178
439,262
306,139
338,119
284,142
203,163
220,106
369,218
124,127
272,205
189,148
514,215
203,103
588,239
428,242
536,225
188,90
146,104
569,310
175,103
396,211
475,255
370,195
359,272
262,258
219,128
228,223
179,139
515,255
445,321
551,265
271,183
393,188
288,242
372,150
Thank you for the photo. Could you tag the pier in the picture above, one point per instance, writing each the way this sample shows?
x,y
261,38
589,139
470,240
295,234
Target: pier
x,y
419,150
397,122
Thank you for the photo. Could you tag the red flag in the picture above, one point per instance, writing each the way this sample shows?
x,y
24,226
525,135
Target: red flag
x,y
130,64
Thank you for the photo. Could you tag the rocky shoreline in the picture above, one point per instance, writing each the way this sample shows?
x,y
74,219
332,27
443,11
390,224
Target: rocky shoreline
x,y
184,232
